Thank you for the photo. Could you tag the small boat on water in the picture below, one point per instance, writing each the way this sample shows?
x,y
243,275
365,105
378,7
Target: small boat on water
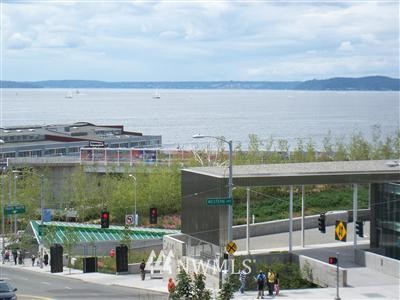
x,y
69,95
157,95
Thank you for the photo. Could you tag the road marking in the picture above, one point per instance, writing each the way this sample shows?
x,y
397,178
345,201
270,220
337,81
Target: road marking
x,y
45,282
30,297
68,288
23,278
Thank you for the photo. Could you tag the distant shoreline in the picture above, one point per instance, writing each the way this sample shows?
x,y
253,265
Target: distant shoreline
x,y
369,83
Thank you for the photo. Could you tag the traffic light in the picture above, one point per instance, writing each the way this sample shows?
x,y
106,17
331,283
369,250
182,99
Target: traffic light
x,y
321,223
332,260
153,215
360,228
105,219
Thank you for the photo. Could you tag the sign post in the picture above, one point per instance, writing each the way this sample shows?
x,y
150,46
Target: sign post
x,y
337,277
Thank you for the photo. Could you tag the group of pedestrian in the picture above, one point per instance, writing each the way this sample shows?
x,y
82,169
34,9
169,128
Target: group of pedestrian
x,y
18,256
272,282
269,280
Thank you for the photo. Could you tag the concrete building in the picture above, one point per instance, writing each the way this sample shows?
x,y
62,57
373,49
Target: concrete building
x,y
68,139
209,223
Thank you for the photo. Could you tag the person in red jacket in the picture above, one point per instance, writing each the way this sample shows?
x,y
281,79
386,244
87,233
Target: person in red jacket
x,y
171,288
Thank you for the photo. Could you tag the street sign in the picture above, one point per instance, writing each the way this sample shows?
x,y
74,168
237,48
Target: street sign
x,y
129,219
14,209
46,215
231,247
219,201
341,230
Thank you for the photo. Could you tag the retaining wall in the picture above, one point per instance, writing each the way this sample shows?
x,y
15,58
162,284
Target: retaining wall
x,y
383,264
279,226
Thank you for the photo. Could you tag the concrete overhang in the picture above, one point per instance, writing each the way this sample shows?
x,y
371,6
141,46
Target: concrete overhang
x,y
335,172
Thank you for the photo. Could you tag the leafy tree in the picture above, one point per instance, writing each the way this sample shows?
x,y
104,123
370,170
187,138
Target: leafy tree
x,y
227,290
70,240
298,153
341,151
49,234
184,286
311,153
199,287
359,148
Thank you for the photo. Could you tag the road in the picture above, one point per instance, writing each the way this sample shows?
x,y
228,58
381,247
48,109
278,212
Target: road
x,y
34,285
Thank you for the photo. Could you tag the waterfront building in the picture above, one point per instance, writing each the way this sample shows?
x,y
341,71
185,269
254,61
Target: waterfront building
x,y
68,139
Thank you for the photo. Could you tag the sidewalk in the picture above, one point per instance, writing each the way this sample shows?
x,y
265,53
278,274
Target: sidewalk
x,y
369,291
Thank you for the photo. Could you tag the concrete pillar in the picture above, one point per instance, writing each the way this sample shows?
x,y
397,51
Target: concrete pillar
x,y
290,218
355,208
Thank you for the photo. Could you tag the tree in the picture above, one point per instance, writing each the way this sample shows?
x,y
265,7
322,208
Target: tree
x,y
227,290
70,240
199,287
184,284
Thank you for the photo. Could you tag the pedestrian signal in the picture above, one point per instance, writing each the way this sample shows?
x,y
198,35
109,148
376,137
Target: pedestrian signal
x,y
360,228
332,260
321,223
105,219
153,215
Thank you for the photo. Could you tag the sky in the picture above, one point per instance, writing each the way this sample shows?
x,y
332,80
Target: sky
x,y
198,40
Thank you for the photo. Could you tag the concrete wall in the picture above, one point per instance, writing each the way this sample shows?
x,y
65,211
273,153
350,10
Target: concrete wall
x,y
200,220
279,226
322,273
383,264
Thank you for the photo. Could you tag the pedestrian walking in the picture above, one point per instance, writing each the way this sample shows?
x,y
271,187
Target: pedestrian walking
x,y
260,284
46,258
15,256
142,271
276,284
171,288
33,258
271,282
242,279
20,257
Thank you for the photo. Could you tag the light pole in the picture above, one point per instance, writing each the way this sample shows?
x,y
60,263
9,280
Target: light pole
x,y
134,178
230,184
41,209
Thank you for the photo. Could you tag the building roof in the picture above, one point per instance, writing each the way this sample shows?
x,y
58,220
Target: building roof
x,y
93,233
366,171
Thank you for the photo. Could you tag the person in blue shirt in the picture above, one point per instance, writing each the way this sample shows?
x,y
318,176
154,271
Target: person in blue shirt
x,y
260,284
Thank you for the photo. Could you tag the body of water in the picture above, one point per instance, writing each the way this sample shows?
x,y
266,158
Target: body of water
x,y
234,114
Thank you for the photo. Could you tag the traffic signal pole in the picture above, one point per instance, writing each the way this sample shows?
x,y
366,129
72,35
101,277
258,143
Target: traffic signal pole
x,y
355,196
337,277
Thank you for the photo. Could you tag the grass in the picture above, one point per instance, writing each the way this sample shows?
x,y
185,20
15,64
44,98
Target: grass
x,y
269,204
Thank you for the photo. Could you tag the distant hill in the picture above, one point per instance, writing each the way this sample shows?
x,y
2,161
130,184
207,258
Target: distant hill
x,y
370,83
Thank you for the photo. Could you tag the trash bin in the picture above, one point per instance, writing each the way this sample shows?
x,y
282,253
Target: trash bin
x,y
122,258
56,258
89,264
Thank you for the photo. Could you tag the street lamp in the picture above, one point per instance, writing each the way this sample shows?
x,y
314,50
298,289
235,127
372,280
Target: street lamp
x,y
230,183
134,178
41,207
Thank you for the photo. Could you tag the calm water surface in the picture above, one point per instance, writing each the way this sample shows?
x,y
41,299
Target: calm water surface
x,y
233,114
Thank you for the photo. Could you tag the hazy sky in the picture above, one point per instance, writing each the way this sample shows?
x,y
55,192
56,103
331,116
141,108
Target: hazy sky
x,y
198,40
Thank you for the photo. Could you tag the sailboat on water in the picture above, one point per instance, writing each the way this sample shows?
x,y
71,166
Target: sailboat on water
x,y
157,95
69,95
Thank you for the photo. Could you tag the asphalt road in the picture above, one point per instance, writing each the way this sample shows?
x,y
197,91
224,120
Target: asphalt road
x,y
33,285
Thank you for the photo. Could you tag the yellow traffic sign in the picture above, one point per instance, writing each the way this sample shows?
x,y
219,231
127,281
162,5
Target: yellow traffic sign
x,y
231,247
341,230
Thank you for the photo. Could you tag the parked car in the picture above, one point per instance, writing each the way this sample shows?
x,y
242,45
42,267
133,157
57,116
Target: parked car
x,y
7,292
